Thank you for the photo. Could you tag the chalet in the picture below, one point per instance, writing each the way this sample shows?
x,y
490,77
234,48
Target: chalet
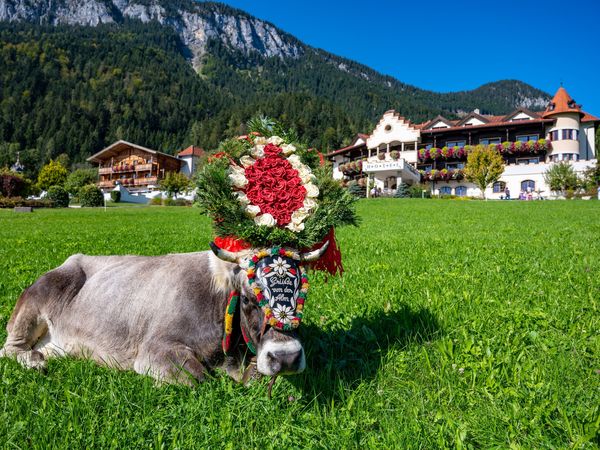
x,y
435,152
139,168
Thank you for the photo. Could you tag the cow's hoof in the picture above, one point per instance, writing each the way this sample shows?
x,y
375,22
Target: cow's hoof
x,y
32,360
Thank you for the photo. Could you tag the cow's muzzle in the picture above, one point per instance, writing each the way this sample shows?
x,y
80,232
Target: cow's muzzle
x,y
281,358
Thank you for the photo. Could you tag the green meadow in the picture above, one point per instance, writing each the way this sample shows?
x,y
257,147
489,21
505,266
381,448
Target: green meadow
x,y
461,324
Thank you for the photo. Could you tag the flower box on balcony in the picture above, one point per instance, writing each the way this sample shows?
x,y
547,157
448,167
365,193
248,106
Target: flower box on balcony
x,y
508,148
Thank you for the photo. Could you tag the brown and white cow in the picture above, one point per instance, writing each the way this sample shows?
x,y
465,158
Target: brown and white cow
x,y
158,315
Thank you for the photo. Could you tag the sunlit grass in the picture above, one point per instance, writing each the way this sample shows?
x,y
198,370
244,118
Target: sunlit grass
x,y
456,324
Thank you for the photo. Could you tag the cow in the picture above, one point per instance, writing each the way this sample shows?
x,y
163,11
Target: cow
x,y
161,316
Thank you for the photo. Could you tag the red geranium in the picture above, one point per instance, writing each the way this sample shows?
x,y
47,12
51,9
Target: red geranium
x,y
274,186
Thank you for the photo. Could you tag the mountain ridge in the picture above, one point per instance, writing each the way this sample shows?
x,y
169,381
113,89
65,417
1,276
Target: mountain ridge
x,y
197,22
136,74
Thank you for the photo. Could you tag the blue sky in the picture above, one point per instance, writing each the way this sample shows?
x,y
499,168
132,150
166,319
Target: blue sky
x,y
455,45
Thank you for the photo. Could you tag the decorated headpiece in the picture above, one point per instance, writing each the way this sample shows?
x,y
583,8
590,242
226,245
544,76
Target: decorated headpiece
x,y
276,200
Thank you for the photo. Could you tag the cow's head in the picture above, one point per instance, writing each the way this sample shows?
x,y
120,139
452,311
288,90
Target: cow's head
x,y
272,285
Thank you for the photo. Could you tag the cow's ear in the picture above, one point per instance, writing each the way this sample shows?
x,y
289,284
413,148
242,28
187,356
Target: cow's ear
x,y
223,254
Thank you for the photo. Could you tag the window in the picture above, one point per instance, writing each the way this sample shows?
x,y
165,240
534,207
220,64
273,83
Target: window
x,y
445,190
566,134
528,160
528,137
456,143
488,141
426,167
461,191
429,147
455,166
527,185
499,186
570,134
570,157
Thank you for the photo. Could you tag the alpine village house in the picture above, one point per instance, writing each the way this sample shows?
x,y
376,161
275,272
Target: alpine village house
x,y
140,169
435,152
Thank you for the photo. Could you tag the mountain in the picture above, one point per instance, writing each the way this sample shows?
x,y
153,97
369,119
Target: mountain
x,y
78,74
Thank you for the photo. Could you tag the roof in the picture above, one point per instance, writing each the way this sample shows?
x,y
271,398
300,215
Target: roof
x,y
562,103
192,150
345,149
493,121
589,118
116,147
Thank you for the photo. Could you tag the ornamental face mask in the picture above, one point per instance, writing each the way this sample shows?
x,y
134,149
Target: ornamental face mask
x,y
280,284
279,280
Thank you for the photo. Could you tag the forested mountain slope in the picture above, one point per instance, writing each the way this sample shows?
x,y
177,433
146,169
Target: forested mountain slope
x,y
79,74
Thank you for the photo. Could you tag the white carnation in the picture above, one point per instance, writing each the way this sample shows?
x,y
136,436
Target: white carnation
x,y
238,179
309,204
299,215
252,210
260,140
247,161
311,190
305,174
275,140
258,151
266,220
287,149
295,227
242,198
295,162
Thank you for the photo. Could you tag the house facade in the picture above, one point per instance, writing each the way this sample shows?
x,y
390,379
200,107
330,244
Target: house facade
x,y
435,152
140,169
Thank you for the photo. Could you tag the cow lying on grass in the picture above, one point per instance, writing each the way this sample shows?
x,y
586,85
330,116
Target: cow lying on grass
x,y
162,316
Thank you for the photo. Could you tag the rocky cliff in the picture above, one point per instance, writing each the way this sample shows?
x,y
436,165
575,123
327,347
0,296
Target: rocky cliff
x,y
196,23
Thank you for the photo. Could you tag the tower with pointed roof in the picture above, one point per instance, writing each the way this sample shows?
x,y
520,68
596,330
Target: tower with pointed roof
x,y
564,132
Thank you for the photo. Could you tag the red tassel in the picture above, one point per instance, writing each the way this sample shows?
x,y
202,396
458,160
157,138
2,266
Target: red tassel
x,y
231,243
331,261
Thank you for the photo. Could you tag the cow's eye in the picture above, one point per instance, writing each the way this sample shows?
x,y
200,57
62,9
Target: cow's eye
x,y
245,300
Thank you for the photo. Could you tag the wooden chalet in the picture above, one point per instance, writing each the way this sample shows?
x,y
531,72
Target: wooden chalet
x,y
133,166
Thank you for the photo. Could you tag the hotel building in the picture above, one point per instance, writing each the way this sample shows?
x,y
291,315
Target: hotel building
x,y
435,152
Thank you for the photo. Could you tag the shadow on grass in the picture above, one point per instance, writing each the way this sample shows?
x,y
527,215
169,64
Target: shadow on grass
x,y
350,355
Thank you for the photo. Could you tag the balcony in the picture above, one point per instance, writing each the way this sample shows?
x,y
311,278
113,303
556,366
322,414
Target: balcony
x,y
105,170
143,167
505,149
106,184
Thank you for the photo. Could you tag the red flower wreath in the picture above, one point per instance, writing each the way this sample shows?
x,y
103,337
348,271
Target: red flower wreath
x,y
275,186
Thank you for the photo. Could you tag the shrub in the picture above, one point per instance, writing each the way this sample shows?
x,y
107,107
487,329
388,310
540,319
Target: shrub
x,y
52,174
59,196
156,201
80,178
115,196
11,202
403,191
90,196
13,184
357,190
416,191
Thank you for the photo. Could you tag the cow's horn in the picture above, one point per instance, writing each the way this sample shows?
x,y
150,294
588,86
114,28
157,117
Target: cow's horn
x,y
223,254
315,254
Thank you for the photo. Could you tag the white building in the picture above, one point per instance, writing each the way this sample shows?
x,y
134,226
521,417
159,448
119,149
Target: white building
x,y
434,152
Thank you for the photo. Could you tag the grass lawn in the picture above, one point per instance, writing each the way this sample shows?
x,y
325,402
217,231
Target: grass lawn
x,y
457,324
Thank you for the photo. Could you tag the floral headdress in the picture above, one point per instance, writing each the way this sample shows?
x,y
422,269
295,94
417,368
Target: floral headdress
x,y
270,191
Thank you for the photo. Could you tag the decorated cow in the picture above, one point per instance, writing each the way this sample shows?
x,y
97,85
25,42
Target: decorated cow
x,y
175,317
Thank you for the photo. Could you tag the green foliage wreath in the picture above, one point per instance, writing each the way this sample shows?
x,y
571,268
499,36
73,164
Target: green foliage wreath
x,y
218,199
